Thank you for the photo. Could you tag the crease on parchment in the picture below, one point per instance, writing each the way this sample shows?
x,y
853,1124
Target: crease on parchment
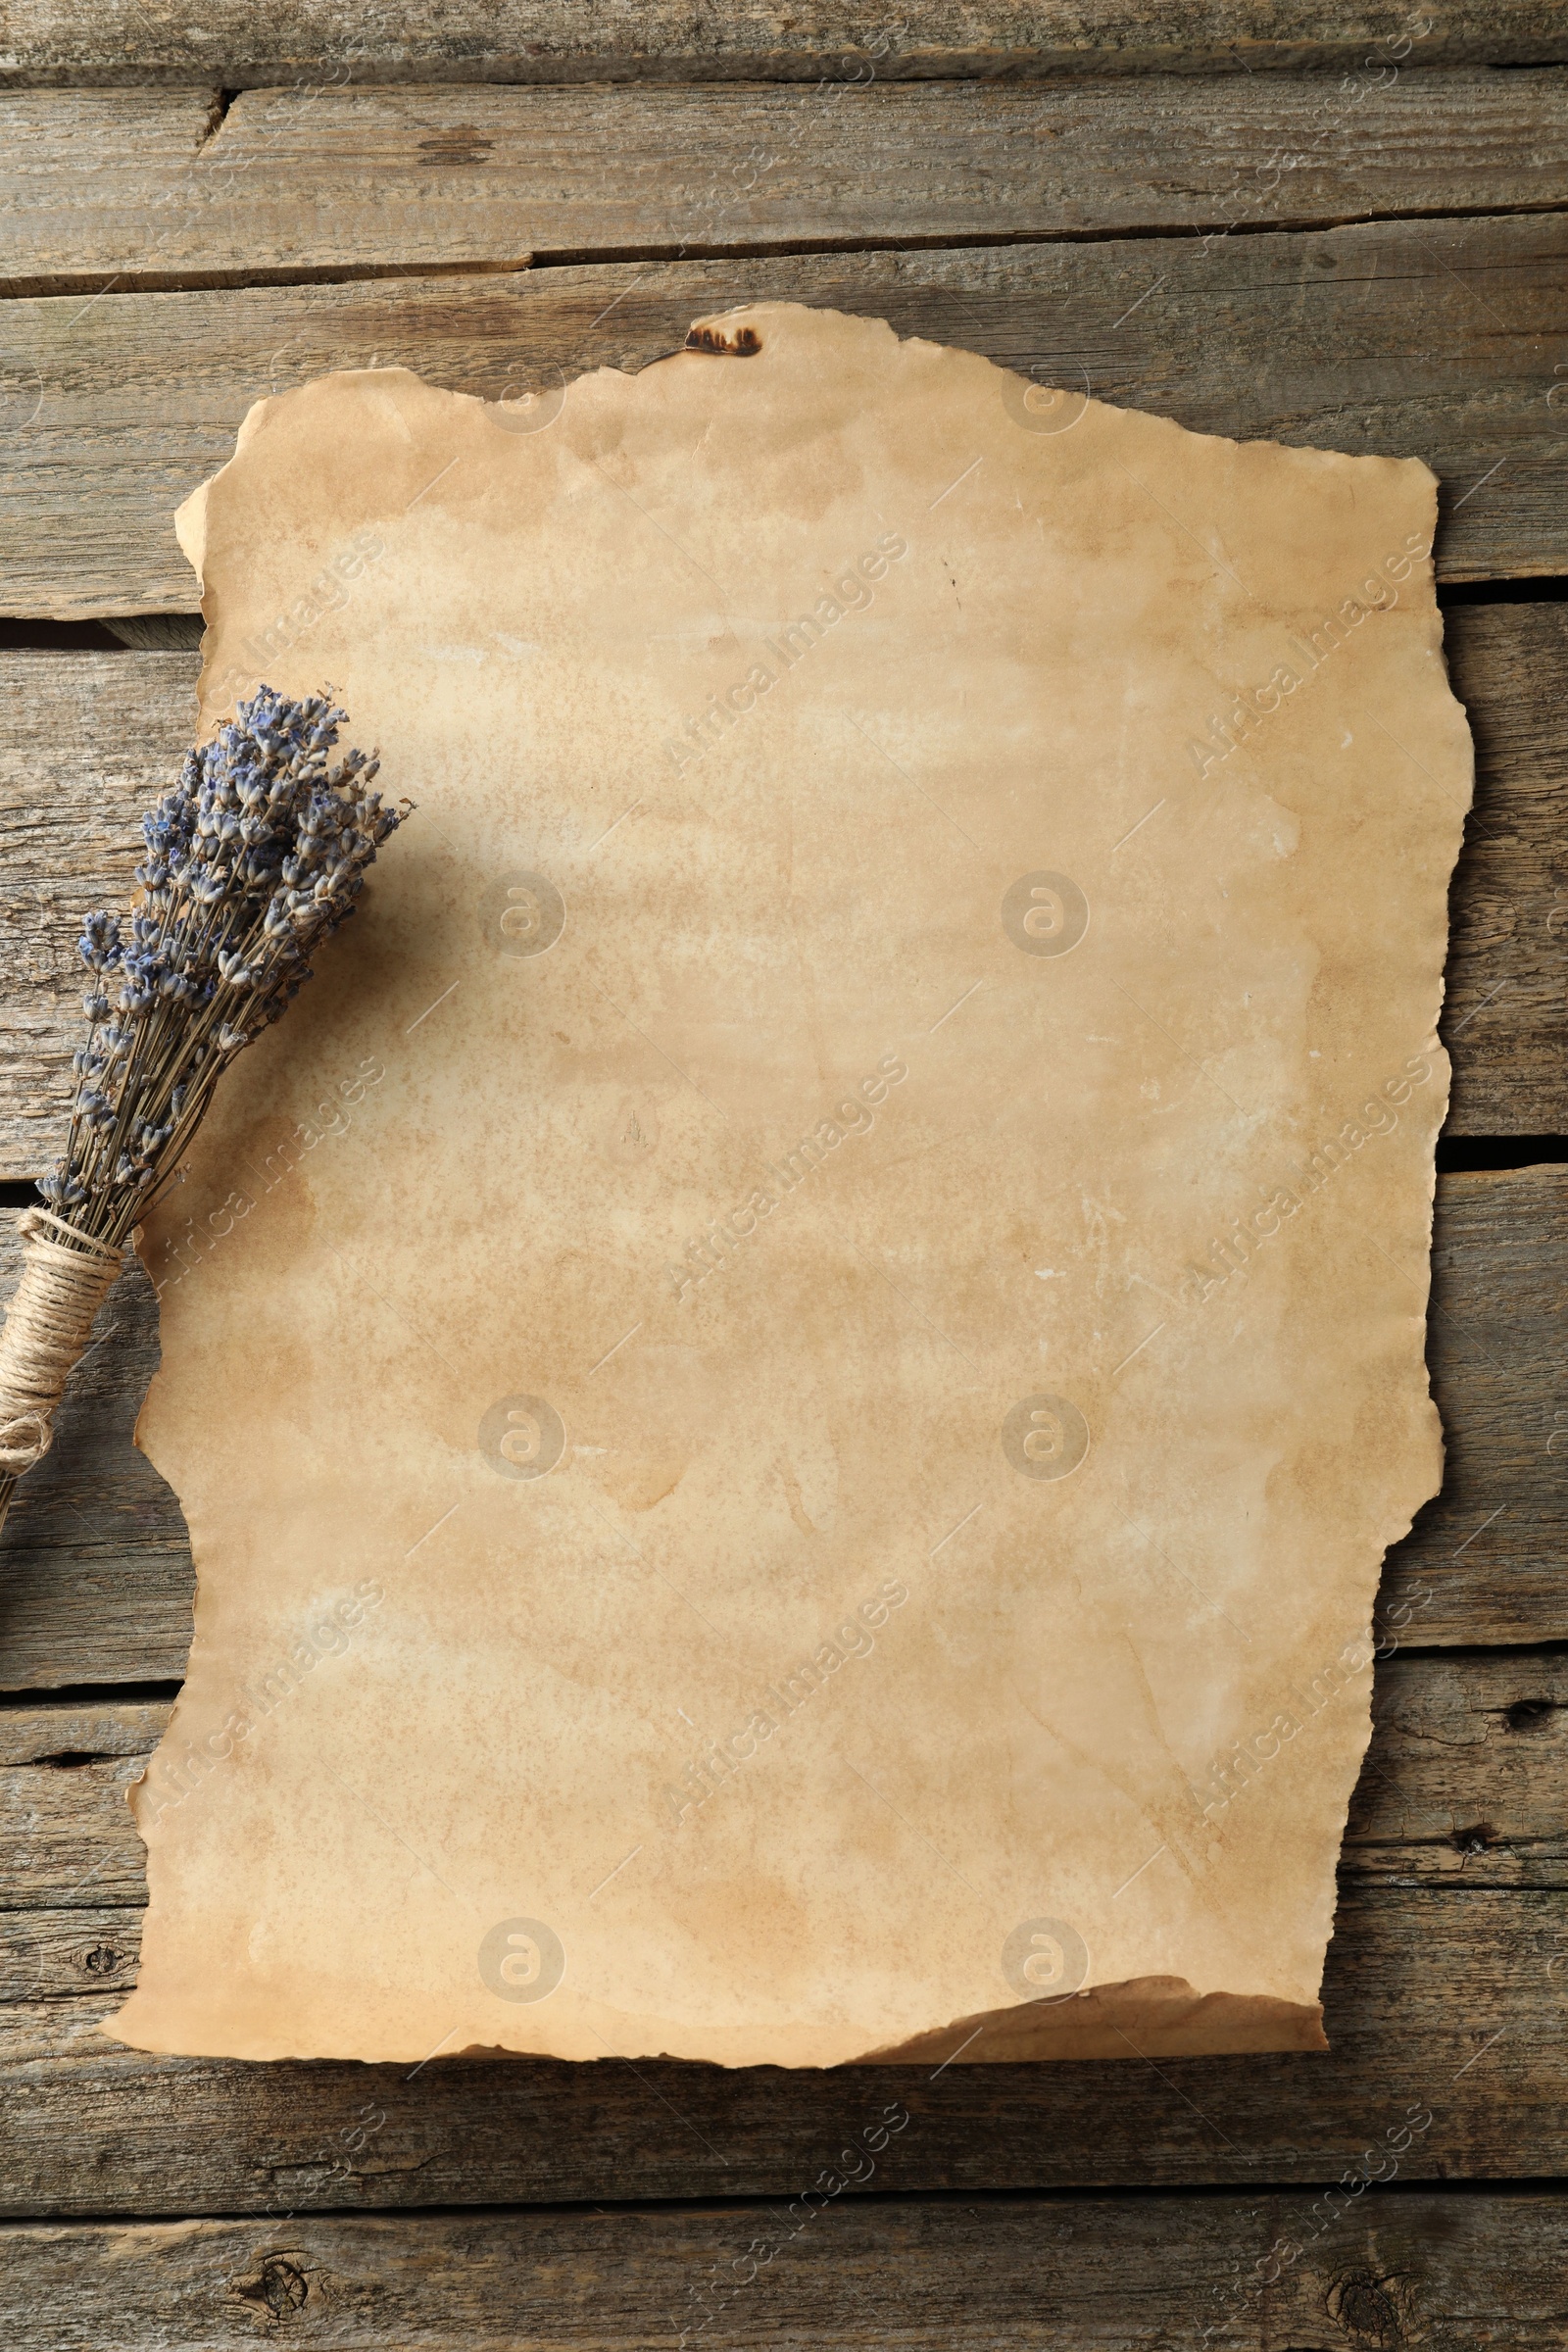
x,y
430,1703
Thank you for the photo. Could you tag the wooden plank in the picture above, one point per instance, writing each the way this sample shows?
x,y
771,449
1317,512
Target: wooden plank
x,y
1093,2273
81,1948
76,159
1487,1556
1463,1781
126,188
98,1581
66,1838
120,41
1436,1952
1462,1785
99,1578
1434,1997
87,742
83,752
1429,338
1508,943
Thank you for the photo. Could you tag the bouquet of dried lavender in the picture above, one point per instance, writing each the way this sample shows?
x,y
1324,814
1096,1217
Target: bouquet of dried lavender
x,y
254,858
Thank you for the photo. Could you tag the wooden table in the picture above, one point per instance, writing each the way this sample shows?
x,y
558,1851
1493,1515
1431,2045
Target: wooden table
x,y
1258,235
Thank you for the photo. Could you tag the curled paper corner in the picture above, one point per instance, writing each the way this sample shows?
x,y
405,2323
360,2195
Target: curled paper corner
x,y
1150,2017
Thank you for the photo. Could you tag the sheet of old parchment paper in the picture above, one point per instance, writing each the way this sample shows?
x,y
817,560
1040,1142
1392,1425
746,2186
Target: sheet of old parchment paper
x,y
791,1376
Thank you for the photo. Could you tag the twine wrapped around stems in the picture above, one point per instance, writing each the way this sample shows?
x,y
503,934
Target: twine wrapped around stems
x,y
66,1277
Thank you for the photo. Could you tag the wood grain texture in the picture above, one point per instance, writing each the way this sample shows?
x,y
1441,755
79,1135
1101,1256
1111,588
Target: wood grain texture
x,y
82,1948
1447,1978
131,188
1507,983
1450,1933
1084,2275
1465,1780
1462,1786
87,741
73,161
96,1580
83,752
1487,1552
66,1838
1445,1998
122,41
1432,339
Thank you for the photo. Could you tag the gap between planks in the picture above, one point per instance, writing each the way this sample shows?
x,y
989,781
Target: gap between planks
x,y
944,2273
474,43
92,738
99,1576
124,403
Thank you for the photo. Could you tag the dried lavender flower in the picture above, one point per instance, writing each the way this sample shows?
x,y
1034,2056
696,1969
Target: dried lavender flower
x,y
254,858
